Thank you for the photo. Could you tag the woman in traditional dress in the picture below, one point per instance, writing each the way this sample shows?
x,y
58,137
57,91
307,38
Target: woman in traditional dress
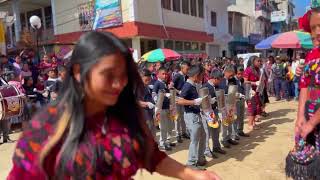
x,y
303,161
96,129
252,77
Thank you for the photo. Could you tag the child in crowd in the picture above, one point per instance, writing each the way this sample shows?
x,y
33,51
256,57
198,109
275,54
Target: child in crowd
x,y
25,72
213,84
166,125
62,72
52,80
147,102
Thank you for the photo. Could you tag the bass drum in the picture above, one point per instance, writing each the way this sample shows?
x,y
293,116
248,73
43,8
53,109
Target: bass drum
x,y
11,102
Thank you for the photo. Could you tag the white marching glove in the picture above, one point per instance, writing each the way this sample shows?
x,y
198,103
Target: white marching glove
x,y
45,94
150,105
168,95
213,100
198,101
155,98
252,93
150,87
257,83
240,96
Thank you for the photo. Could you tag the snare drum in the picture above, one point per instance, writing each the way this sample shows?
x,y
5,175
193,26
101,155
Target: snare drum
x,y
11,102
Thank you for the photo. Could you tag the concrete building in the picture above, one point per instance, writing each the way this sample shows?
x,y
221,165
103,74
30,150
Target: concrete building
x,y
249,23
191,27
195,28
282,18
22,10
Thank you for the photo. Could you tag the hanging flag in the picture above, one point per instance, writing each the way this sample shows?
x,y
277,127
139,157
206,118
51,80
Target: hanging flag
x,y
107,14
2,38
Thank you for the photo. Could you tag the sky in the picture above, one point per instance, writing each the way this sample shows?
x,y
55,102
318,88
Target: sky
x,y
300,7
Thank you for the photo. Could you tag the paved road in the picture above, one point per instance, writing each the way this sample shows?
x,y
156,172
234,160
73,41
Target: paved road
x,y
259,157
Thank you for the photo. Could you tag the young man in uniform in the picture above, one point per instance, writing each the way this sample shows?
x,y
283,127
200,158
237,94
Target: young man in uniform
x,y
178,81
213,84
191,102
240,105
225,83
147,102
165,122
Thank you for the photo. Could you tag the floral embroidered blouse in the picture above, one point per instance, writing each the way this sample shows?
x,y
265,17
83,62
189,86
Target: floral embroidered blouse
x,y
310,79
119,159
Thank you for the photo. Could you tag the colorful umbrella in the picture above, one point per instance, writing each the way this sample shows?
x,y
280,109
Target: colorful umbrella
x,y
291,39
159,55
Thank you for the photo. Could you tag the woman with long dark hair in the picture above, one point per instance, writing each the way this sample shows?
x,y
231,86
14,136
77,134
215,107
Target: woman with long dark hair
x,y
96,129
252,76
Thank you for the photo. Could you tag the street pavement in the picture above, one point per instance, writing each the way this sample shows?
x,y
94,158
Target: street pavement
x,y
259,157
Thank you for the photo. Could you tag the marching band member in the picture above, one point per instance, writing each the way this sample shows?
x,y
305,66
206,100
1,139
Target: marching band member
x,y
147,102
166,125
178,82
213,84
225,82
191,101
240,104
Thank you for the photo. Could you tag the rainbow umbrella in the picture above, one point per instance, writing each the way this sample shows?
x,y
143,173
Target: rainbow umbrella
x,y
291,39
160,55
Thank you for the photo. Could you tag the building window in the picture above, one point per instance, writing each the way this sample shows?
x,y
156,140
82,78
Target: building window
x,y
168,44
178,46
213,19
203,46
200,5
48,15
86,14
193,6
195,46
177,5
230,23
187,46
23,21
166,4
185,6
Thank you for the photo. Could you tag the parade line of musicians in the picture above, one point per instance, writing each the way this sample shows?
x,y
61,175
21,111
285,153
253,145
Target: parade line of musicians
x,y
176,101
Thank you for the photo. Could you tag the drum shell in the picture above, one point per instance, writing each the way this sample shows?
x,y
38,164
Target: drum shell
x,y
12,102
220,99
232,89
173,94
160,99
247,87
204,92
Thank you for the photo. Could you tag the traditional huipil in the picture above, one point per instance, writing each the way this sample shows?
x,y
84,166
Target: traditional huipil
x,y
303,162
254,104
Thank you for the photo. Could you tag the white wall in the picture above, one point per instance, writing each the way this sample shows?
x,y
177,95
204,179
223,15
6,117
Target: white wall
x,y
222,28
246,7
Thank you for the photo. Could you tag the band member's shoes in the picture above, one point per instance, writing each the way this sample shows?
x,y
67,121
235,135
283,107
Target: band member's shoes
x,y
237,138
179,139
195,167
202,163
211,155
232,142
166,148
264,114
278,99
219,150
7,140
226,145
172,144
185,136
242,134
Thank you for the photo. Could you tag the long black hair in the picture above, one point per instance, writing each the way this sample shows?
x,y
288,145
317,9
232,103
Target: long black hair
x,y
88,51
